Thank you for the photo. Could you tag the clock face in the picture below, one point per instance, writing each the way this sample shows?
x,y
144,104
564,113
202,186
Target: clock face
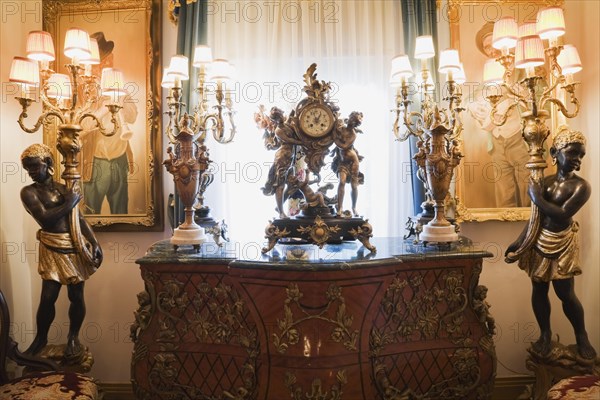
x,y
316,120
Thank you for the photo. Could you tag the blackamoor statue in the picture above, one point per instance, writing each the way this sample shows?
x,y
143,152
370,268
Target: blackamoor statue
x,y
554,257
51,204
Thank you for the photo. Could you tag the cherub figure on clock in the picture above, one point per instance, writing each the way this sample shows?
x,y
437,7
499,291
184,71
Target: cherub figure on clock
x,y
346,160
309,132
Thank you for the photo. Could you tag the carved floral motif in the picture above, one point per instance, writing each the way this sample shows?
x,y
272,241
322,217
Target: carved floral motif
x,y
289,324
415,310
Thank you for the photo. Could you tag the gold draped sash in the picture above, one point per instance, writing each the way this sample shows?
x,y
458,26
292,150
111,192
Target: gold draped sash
x,y
555,255
60,261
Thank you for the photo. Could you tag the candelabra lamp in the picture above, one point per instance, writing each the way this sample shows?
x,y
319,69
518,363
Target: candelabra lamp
x,y
437,130
547,85
303,140
189,161
69,100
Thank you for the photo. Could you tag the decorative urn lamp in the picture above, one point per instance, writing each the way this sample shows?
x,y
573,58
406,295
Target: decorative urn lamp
x,y
437,129
188,157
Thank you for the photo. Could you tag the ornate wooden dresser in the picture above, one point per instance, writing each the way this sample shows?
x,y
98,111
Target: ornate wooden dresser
x,y
309,323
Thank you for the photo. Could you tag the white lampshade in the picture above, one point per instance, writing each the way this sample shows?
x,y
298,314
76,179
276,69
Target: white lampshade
x,y
202,56
220,70
460,77
493,72
179,67
529,52
77,44
424,47
449,61
40,46
569,60
550,23
168,80
59,87
112,83
24,71
529,29
401,68
505,33
94,58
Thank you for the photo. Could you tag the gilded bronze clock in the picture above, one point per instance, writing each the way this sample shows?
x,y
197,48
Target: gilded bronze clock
x,y
316,120
303,140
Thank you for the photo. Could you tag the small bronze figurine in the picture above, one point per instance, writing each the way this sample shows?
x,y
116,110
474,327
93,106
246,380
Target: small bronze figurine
x,y
60,263
555,255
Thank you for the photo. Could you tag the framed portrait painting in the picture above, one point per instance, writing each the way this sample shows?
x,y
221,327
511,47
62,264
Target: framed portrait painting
x,y
492,179
120,177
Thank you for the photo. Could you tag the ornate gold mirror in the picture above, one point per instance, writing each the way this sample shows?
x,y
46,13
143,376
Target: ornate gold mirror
x,y
121,182
492,180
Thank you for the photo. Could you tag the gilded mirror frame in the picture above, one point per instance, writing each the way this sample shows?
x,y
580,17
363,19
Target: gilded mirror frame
x,y
136,26
468,16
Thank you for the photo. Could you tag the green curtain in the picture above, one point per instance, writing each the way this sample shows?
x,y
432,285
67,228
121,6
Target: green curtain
x,y
418,19
191,31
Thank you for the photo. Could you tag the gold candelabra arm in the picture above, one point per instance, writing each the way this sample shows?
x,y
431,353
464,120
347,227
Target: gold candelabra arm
x,y
507,60
401,102
516,96
413,121
414,127
552,53
113,109
568,88
25,103
494,112
169,130
91,90
172,110
396,126
73,69
175,105
233,130
456,124
223,106
563,109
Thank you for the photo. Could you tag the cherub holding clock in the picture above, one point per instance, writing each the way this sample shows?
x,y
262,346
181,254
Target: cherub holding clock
x,y
346,160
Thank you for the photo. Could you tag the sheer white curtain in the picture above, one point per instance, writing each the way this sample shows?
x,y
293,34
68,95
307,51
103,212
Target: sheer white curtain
x,y
271,45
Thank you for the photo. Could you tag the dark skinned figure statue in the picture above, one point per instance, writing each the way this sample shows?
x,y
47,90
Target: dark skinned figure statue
x,y
50,203
554,258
